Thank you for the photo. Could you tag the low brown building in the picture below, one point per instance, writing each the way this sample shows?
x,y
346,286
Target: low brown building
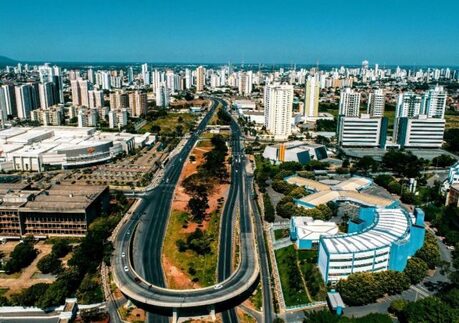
x,y
452,198
62,210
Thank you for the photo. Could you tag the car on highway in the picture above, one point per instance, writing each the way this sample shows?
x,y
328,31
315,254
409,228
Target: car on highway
x,y
126,268
218,286
123,254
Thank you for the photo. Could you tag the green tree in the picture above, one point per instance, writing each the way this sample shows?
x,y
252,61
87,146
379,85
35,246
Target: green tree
x,y
429,309
320,317
285,208
22,256
359,289
443,161
269,208
198,206
397,306
384,180
29,296
394,187
450,138
61,247
89,291
415,270
49,264
430,251
282,187
365,164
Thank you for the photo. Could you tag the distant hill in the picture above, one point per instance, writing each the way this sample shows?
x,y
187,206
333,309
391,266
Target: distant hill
x,y
7,60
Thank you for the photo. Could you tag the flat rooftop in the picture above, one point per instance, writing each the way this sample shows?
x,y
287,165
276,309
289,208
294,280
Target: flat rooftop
x,y
378,153
65,197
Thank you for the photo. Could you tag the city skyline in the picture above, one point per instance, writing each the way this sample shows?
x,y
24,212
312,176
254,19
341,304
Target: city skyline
x,y
301,33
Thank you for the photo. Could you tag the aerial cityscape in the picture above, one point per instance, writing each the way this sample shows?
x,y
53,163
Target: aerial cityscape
x,y
217,162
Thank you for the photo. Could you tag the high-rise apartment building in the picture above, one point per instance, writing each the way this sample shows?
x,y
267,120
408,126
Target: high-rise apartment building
x,y
8,103
200,79
434,103
188,78
245,80
138,103
80,96
162,96
96,99
311,100
278,101
349,103
408,105
146,74
118,100
130,75
46,92
24,100
376,102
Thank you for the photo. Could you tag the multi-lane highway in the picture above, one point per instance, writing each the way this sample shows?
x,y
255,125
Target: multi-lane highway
x,y
138,246
225,264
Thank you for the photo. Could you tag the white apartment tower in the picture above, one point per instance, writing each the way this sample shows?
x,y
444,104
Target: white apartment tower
x,y
162,96
145,74
278,101
349,103
24,100
434,103
376,102
311,100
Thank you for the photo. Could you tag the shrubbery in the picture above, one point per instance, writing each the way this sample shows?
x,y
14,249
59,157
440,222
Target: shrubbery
x,y
364,288
22,256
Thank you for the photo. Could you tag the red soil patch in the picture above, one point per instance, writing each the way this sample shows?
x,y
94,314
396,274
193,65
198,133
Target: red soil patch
x,y
177,278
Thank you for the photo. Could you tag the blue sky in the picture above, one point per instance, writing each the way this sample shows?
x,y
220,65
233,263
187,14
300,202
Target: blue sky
x,y
252,31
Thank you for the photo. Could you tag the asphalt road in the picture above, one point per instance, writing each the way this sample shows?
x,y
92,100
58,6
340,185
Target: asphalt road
x,y
268,306
225,264
137,265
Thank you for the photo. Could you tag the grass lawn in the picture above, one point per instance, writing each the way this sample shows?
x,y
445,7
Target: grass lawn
x,y
281,233
390,115
286,263
170,121
206,265
257,298
452,121
311,274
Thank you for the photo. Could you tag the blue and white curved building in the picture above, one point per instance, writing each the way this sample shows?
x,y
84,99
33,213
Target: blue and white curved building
x,y
380,239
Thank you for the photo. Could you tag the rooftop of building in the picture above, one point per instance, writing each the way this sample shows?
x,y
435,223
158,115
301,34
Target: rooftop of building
x,y
309,229
347,190
65,197
389,226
